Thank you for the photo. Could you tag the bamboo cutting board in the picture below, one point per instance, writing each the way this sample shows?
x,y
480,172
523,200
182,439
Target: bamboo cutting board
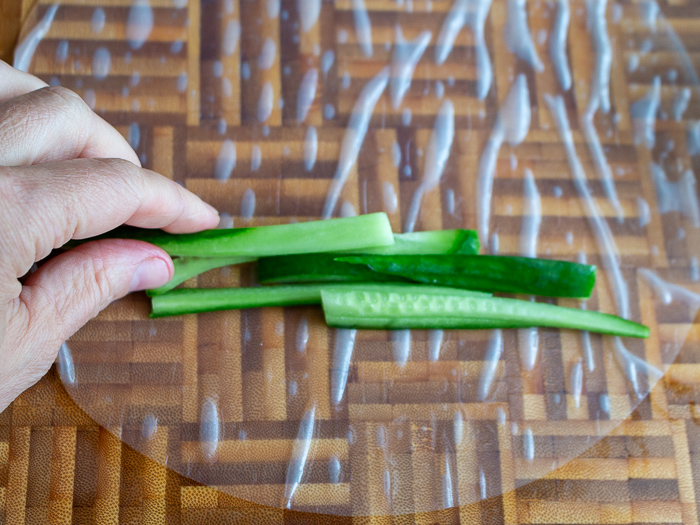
x,y
222,397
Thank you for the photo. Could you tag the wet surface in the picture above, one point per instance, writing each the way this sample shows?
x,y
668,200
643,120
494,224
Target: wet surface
x,y
283,111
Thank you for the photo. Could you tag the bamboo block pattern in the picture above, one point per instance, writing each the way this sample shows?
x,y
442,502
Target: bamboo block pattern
x,y
256,106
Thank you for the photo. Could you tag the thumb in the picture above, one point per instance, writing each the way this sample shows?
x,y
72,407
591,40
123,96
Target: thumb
x,y
72,288
68,291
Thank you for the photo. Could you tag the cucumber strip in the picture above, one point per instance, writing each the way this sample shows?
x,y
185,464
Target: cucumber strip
x,y
322,267
349,233
390,323
431,242
439,241
492,273
316,268
396,309
197,300
188,267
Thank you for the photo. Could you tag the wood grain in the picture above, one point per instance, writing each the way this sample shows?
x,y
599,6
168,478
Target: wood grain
x,y
59,465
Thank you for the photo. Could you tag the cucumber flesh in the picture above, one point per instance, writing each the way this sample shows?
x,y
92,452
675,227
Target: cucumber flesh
x,y
197,300
431,242
349,233
396,309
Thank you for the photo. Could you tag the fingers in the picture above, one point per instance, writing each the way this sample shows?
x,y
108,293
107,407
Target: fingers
x,y
14,82
72,288
49,204
67,292
52,124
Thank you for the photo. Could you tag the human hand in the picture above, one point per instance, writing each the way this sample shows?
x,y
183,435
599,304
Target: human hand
x,y
67,174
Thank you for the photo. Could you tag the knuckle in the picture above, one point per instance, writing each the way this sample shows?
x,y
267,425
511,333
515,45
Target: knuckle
x,y
121,173
54,103
9,123
100,290
16,247
7,186
90,289
32,113
116,166
8,193
64,98
14,190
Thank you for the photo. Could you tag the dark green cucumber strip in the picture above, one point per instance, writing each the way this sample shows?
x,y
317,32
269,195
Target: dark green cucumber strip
x,y
350,233
322,267
382,310
188,267
316,268
492,273
197,300
431,242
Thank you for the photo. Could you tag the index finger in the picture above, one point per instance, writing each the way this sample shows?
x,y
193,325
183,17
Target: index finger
x,y
14,82
46,205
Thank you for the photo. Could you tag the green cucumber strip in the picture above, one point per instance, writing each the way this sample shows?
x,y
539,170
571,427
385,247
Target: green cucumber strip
x,y
439,241
431,242
188,267
390,323
397,309
349,233
322,267
197,300
316,268
491,273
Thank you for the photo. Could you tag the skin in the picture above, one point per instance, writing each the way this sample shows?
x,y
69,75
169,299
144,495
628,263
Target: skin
x,y
67,174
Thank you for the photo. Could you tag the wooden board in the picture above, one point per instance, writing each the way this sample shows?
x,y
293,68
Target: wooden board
x,y
57,464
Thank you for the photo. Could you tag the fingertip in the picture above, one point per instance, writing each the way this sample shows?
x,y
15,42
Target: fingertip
x,y
136,160
214,211
213,219
133,156
199,216
150,273
145,251
129,253
209,216
151,266
73,287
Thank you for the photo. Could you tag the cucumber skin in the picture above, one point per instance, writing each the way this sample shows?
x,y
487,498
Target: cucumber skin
x,y
323,267
492,273
316,268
